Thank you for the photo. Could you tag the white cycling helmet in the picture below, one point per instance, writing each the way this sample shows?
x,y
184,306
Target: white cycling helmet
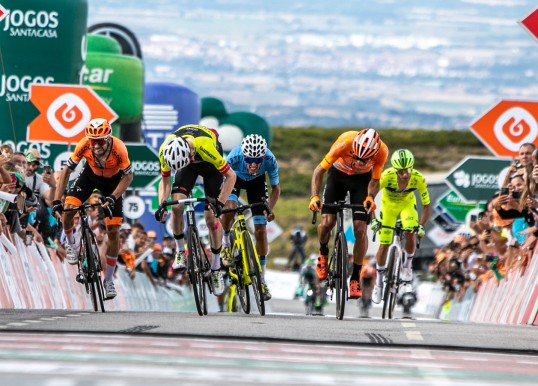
x,y
253,146
177,153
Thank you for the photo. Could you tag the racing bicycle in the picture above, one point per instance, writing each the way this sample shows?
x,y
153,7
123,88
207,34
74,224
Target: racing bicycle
x,y
339,258
89,265
245,271
395,261
198,265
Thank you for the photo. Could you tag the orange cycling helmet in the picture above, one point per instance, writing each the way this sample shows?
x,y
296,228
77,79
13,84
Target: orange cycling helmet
x,y
366,144
98,128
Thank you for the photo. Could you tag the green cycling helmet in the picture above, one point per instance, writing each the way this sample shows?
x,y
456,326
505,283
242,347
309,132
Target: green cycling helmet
x,y
402,159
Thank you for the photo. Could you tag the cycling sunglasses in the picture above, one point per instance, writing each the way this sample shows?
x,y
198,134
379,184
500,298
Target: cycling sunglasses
x,y
403,171
99,142
250,160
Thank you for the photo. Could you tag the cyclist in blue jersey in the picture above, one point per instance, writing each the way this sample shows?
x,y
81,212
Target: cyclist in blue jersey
x,y
251,161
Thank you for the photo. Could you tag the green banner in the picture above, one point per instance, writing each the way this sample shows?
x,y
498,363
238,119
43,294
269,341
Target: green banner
x,y
41,41
145,163
455,206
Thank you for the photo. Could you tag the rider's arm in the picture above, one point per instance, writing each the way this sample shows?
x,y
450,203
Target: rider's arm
x,y
273,197
373,187
227,186
165,187
62,182
425,215
317,179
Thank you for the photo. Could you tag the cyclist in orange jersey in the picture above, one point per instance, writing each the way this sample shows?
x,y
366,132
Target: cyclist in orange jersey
x,y
354,164
108,168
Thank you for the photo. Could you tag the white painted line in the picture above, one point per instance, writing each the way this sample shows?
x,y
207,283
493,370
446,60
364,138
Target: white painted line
x,y
47,319
408,325
414,335
2,327
75,315
59,317
17,324
32,321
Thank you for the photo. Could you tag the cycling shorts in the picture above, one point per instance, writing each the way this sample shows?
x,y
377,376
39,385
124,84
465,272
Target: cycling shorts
x,y
186,178
256,191
337,186
84,185
389,212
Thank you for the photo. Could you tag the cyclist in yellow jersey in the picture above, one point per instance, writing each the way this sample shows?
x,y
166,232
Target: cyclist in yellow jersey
x,y
194,151
398,185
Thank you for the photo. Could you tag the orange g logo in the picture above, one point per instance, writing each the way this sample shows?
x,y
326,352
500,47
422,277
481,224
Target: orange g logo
x,y
515,127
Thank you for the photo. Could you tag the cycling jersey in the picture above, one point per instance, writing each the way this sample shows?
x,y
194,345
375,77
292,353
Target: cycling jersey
x,y
269,165
341,156
392,193
400,202
117,160
206,148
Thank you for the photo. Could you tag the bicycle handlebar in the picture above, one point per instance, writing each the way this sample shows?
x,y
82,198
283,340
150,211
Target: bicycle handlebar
x,y
341,205
242,208
183,201
396,228
83,207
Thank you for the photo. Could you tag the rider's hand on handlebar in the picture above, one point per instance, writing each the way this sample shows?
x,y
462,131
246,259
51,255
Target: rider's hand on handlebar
x,y
269,216
369,204
315,204
57,208
375,225
160,214
216,206
420,231
108,201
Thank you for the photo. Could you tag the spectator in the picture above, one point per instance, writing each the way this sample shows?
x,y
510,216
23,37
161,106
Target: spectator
x,y
7,151
298,255
136,228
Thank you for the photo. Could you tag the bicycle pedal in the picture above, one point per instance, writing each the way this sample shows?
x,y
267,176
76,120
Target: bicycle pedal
x,y
80,278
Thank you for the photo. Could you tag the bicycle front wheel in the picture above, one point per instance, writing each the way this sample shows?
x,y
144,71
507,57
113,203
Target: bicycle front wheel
x,y
393,297
92,258
254,271
390,282
341,264
194,260
241,288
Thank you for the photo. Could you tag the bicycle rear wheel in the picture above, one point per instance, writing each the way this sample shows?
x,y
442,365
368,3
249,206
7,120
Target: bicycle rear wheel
x,y
195,270
254,271
95,283
389,283
341,263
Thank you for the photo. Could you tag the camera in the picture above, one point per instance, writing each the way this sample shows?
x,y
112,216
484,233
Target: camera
x,y
490,258
473,218
47,169
516,194
504,191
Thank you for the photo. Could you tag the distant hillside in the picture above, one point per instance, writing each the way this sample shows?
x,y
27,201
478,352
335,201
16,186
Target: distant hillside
x,y
299,151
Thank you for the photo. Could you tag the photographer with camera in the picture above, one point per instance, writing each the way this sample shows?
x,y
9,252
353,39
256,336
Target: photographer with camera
x,y
522,164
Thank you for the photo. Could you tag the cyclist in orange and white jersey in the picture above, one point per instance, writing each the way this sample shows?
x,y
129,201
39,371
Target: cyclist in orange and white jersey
x,y
354,164
108,168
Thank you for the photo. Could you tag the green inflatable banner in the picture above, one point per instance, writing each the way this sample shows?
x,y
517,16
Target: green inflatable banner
x,y
232,127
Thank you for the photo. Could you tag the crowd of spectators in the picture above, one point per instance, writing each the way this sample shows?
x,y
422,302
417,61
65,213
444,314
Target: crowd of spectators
x,y
498,239
30,217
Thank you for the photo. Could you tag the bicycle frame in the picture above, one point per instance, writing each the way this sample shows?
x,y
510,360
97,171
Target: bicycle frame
x,y
339,258
246,261
198,266
395,261
89,267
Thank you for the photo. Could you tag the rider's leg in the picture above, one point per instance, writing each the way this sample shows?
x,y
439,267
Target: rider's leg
x,y
227,220
177,223
381,263
113,247
409,218
215,238
360,247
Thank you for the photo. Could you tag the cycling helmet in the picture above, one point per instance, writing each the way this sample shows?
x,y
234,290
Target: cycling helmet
x,y
177,153
98,128
366,144
253,146
402,159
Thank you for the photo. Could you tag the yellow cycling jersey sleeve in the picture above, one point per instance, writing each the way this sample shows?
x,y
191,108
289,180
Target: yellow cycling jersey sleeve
x,y
392,192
